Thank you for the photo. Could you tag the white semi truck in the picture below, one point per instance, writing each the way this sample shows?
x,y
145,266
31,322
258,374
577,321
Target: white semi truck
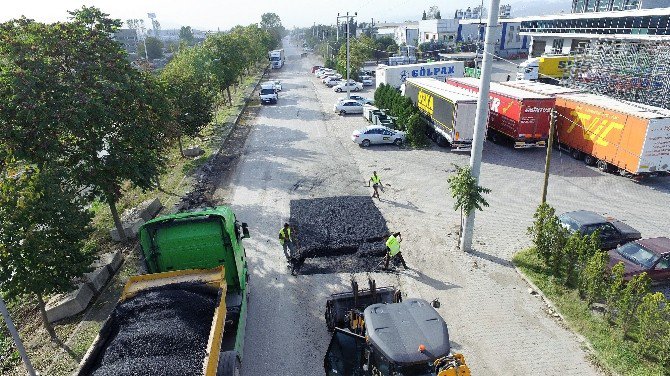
x,y
276,58
397,74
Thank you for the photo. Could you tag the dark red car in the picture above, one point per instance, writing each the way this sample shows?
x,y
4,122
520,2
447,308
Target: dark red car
x,y
645,255
314,68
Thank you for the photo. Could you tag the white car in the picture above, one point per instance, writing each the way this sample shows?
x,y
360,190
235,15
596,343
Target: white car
x,y
336,76
332,81
278,86
348,106
375,134
367,80
268,93
325,72
352,85
359,99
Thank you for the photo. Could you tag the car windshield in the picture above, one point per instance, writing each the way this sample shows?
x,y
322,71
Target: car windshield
x,y
569,223
267,91
636,253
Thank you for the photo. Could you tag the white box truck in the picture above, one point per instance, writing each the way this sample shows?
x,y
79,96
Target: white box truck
x,y
449,111
276,58
397,74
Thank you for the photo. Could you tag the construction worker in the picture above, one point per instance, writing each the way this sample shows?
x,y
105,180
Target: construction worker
x,y
376,184
393,250
286,241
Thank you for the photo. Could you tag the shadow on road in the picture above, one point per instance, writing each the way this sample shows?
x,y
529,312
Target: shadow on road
x,y
494,259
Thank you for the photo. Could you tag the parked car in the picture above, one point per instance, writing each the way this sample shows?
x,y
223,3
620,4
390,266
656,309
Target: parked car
x,y
328,78
315,68
348,106
268,93
359,98
367,80
324,73
352,85
646,255
375,134
612,231
278,86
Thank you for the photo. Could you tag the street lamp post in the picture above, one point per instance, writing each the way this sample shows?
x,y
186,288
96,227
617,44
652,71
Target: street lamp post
x,y
338,20
17,340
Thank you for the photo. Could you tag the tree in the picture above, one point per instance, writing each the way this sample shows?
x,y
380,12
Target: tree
x,y
68,96
154,48
547,233
424,16
190,93
433,12
186,35
43,227
416,131
438,16
226,62
468,195
272,23
360,50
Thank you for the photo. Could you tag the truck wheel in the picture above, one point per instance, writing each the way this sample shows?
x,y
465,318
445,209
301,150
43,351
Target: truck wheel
x,y
603,166
330,316
365,143
495,138
229,364
356,89
338,90
576,154
590,160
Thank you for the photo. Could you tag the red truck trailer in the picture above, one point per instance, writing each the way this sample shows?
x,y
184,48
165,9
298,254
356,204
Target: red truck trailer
x,y
515,114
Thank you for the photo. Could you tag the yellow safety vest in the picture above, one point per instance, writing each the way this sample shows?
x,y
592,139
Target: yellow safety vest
x,y
375,179
394,245
283,236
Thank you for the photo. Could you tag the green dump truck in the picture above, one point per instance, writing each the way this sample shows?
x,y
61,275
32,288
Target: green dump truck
x,y
188,315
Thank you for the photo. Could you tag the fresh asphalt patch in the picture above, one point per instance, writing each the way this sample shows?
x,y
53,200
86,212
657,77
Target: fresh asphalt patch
x,y
344,234
160,331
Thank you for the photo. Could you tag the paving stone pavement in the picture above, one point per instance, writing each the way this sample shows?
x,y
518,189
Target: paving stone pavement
x,y
301,149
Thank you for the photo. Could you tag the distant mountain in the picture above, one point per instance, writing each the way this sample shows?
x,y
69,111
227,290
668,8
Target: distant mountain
x,y
539,8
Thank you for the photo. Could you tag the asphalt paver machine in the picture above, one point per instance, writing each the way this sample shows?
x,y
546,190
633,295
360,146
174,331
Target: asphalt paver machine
x,y
376,333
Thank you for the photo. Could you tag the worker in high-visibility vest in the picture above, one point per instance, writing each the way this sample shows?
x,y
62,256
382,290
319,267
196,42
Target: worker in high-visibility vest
x,y
286,241
393,250
376,184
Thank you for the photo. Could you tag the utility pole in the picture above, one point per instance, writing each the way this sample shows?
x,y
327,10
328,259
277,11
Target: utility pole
x,y
550,143
348,17
17,340
482,116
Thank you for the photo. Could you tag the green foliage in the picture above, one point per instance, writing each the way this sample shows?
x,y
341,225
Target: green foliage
x,y
330,64
574,255
615,289
271,23
548,236
631,297
43,229
653,316
416,131
186,35
154,48
360,50
595,278
468,194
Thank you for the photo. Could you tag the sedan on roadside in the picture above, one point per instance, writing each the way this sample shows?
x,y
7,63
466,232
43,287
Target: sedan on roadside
x,y
366,80
352,86
612,232
359,98
348,106
374,134
651,256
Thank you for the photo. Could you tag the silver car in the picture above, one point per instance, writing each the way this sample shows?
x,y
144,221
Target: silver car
x,y
375,134
348,106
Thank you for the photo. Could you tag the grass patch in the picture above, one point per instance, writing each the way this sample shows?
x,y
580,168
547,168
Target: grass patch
x,y
612,352
174,183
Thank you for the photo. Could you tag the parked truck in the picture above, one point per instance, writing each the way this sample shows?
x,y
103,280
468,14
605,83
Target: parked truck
x,y
540,88
549,69
515,114
188,315
616,136
397,74
448,111
276,58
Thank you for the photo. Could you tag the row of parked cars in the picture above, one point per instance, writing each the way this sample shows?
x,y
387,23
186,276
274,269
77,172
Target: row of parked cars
x,y
332,79
624,244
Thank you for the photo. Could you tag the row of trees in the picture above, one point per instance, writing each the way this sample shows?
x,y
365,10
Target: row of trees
x,y
407,115
577,262
77,123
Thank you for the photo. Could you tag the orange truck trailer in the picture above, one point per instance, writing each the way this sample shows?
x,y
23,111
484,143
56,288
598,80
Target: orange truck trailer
x,y
616,136
515,114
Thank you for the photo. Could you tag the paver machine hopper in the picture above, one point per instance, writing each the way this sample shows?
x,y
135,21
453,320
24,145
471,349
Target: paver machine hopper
x,y
375,332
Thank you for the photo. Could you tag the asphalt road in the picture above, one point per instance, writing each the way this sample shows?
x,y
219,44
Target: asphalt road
x,y
300,149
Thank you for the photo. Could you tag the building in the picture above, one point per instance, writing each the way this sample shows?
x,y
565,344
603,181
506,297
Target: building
x,y
470,13
128,39
509,42
585,6
568,33
443,30
166,36
407,34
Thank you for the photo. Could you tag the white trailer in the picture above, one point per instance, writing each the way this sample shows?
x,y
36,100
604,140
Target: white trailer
x,y
448,111
276,58
397,74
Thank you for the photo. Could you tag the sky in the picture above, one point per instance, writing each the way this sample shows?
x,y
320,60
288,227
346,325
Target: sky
x,y
224,14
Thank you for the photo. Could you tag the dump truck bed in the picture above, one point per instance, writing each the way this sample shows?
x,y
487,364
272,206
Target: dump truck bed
x,y
135,341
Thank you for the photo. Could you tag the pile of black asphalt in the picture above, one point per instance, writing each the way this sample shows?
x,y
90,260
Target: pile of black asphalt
x,y
160,331
338,234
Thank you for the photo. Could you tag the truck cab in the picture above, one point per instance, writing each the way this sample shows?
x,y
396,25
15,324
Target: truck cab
x,y
268,93
549,69
528,70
